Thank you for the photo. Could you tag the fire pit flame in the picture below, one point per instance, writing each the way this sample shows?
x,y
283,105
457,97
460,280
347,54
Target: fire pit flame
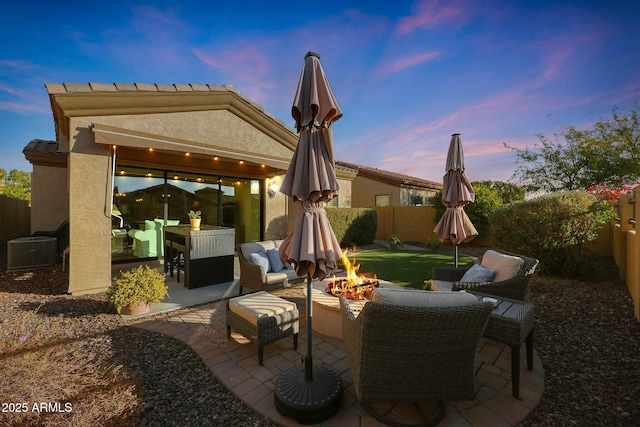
x,y
355,286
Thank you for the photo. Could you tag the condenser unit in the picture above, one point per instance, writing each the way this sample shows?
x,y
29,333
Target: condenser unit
x,y
27,252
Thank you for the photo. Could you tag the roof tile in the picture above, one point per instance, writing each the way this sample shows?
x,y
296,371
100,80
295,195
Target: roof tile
x,y
183,88
126,87
387,176
103,87
165,88
199,88
77,87
146,87
55,88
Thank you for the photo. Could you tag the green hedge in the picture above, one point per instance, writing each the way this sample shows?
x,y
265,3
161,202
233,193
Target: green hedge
x,y
552,228
353,226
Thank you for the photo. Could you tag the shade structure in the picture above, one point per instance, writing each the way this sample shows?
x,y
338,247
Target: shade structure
x,y
457,192
308,393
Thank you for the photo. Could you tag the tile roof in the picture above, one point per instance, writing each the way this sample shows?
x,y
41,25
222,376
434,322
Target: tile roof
x,y
391,177
93,87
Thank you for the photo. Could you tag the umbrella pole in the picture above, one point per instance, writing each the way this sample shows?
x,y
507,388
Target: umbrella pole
x,y
311,394
455,262
308,360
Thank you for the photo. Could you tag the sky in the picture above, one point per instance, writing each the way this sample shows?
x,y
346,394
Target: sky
x,y
407,74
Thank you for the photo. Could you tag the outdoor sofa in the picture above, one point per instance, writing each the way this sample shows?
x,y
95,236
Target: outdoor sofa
x,y
500,273
261,268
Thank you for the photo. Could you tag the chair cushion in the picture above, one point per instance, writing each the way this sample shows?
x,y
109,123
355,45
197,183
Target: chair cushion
x,y
506,266
260,258
253,306
478,273
253,247
441,285
418,298
274,260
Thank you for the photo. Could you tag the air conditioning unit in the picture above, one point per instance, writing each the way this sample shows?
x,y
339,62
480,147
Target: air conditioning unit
x,y
27,252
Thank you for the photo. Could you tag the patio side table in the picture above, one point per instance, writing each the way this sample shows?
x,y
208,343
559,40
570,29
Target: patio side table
x,y
511,323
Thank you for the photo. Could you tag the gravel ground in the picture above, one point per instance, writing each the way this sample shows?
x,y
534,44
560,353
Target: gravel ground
x,y
586,337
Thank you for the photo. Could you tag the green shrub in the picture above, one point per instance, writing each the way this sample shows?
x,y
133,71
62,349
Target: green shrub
x,y
135,286
488,200
353,226
433,243
552,228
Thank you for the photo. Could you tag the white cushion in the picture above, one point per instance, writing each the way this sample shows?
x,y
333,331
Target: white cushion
x,y
253,306
260,258
506,266
478,273
418,298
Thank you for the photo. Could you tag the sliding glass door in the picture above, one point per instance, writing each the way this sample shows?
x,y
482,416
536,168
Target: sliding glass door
x,y
144,198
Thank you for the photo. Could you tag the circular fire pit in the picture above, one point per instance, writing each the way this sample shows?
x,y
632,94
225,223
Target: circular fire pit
x,y
327,315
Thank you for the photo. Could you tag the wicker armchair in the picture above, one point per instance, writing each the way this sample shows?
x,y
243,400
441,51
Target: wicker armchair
x,y
514,288
253,277
401,354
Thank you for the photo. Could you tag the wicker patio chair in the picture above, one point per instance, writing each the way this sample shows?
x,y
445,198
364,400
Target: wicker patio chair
x,y
419,355
514,288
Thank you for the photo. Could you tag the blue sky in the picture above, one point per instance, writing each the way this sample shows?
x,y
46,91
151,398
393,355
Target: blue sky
x,y
407,74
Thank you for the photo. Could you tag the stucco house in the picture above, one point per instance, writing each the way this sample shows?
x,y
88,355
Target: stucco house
x,y
373,187
126,154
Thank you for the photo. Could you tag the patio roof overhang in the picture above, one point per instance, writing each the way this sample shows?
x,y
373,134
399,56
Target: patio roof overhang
x,y
116,136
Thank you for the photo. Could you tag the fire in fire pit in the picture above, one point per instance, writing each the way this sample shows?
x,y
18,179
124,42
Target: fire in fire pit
x,y
355,286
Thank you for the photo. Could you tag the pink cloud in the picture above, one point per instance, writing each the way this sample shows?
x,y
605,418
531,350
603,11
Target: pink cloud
x,y
406,62
430,14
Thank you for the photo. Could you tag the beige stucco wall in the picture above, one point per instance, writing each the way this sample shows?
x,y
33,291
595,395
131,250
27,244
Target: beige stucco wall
x,y
49,188
89,212
364,190
218,128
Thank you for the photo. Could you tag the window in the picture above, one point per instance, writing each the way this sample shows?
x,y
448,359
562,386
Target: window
x,y
383,200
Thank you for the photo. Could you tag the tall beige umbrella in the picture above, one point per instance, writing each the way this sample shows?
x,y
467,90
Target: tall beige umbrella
x,y
457,192
311,393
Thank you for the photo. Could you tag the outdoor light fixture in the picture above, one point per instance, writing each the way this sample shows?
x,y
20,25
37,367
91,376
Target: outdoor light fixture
x,y
272,190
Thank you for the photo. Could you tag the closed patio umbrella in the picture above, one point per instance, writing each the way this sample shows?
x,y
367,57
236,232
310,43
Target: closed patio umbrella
x,y
457,192
311,393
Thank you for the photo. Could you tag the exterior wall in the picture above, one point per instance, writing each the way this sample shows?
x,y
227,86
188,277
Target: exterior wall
x,y
407,195
49,188
90,186
89,212
411,223
626,247
217,128
364,190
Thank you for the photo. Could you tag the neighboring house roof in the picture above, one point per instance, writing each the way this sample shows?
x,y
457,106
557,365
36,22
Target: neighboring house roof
x,y
45,153
392,177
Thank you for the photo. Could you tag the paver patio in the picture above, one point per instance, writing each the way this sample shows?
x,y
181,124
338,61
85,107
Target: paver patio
x,y
235,364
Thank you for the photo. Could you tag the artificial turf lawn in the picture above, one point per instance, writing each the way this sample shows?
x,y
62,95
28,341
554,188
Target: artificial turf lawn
x,y
406,268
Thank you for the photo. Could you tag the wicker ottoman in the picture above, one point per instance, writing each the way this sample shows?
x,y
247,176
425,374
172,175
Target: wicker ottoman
x,y
263,318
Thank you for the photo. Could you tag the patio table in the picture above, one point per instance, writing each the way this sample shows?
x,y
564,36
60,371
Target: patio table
x,y
511,323
208,253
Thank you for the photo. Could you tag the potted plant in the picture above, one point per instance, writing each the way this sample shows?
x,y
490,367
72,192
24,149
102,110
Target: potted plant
x,y
135,289
194,218
433,244
395,241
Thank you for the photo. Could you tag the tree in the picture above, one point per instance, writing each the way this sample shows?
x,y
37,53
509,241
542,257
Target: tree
x,y
607,153
508,192
17,184
488,200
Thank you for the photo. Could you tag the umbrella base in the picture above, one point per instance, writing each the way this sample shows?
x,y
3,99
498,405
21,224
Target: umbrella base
x,y
312,401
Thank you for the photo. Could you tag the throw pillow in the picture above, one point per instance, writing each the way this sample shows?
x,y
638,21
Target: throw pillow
x,y
274,260
478,273
260,258
506,266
